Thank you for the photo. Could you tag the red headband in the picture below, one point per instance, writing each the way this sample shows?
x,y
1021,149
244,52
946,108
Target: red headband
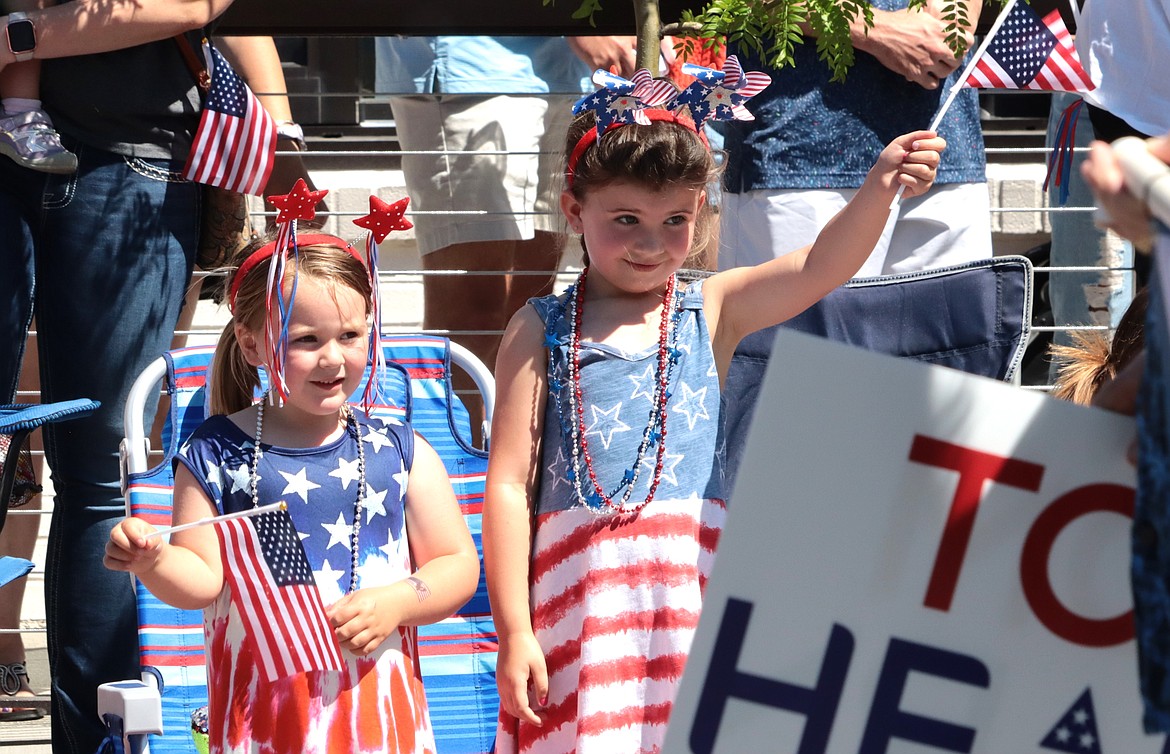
x,y
591,137
268,249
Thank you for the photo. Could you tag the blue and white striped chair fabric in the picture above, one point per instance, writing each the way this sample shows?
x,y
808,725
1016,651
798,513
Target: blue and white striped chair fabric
x,y
457,656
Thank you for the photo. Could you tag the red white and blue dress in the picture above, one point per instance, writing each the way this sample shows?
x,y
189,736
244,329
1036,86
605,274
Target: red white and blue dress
x,y
377,705
615,597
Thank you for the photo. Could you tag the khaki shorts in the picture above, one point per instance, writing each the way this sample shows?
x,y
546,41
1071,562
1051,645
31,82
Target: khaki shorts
x,y
506,194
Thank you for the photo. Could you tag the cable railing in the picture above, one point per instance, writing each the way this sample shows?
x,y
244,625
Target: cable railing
x,y
402,276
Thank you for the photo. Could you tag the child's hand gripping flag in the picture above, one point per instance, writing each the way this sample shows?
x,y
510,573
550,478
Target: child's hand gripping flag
x,y
235,144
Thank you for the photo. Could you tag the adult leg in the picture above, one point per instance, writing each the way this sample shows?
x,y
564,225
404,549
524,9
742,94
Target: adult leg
x,y
757,226
949,225
469,306
473,182
113,260
16,274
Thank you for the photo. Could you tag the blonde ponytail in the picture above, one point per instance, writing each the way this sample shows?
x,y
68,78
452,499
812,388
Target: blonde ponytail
x,y
233,379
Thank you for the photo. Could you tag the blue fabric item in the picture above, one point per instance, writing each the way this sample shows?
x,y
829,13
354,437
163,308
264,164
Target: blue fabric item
x,y
24,416
114,246
12,569
810,132
973,317
619,387
478,65
1150,563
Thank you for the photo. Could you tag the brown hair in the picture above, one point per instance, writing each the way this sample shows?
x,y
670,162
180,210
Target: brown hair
x,y
233,379
1094,359
656,156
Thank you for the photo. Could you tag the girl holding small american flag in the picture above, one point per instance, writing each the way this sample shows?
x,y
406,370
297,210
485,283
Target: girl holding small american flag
x,y
309,614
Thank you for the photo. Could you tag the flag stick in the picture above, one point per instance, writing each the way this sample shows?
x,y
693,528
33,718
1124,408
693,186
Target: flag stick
x,y
954,90
216,519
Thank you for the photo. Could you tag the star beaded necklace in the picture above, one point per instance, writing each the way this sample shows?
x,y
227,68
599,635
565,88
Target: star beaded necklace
x,y
595,499
254,481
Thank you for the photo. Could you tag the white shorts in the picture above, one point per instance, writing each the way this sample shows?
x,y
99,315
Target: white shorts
x,y
461,198
949,225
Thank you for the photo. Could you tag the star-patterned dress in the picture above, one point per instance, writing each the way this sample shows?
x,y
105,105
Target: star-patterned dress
x,y
377,704
615,599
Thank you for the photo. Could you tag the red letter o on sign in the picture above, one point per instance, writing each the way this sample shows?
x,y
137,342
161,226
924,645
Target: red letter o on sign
x,y
1058,619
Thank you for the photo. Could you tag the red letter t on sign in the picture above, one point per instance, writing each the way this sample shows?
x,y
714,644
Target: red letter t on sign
x,y
975,468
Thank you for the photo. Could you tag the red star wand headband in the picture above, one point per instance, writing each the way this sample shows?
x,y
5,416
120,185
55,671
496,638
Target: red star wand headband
x,y
298,204
383,219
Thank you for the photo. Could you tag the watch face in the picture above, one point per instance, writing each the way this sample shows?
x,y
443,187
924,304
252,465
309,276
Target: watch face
x,y
21,37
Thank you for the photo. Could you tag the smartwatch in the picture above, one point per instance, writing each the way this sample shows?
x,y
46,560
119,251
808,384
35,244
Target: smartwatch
x,y
22,36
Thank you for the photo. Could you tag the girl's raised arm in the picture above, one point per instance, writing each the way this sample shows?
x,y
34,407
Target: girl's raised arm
x,y
509,510
186,572
746,299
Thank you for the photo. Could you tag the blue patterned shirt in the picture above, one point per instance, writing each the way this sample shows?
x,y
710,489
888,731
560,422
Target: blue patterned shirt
x,y
811,133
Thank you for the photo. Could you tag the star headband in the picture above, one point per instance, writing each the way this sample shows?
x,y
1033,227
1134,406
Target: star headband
x,y
622,100
714,95
720,94
300,204
594,135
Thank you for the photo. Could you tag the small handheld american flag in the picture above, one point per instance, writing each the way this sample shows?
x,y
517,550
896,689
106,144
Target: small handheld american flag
x,y
1030,52
235,144
276,596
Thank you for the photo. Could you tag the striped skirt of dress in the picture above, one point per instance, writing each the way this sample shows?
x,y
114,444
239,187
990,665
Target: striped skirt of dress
x,y
615,602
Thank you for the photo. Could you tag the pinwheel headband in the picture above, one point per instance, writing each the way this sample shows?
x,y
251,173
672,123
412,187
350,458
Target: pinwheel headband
x,y
300,204
593,136
714,95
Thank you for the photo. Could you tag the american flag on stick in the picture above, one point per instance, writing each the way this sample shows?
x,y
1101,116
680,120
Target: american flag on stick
x,y
1030,52
235,144
1019,51
276,596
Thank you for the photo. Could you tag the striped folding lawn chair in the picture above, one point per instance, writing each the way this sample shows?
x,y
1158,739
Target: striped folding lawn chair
x,y
457,656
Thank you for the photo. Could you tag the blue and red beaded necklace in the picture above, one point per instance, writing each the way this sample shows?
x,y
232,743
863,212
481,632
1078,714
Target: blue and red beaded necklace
x,y
590,494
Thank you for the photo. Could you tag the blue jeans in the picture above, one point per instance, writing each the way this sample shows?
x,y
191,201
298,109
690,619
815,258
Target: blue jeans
x,y
111,250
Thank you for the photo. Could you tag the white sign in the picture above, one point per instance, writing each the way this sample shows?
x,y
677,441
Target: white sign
x,y
918,560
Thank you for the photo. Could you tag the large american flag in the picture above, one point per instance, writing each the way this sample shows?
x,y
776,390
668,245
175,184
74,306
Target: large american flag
x,y
1029,52
276,596
235,144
